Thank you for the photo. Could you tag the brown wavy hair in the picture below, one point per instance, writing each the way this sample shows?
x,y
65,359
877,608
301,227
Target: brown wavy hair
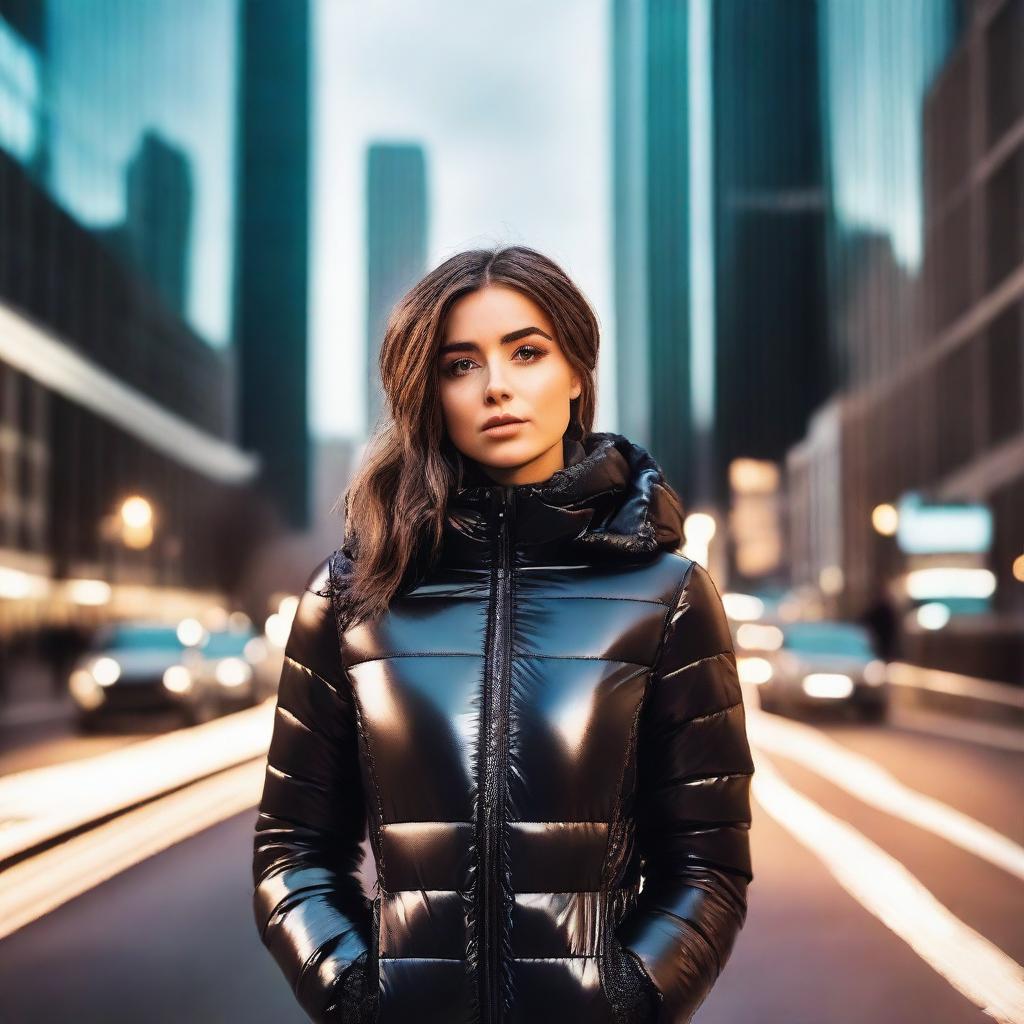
x,y
395,505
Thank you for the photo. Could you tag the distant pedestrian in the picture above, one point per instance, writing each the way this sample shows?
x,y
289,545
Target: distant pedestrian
x,y
882,619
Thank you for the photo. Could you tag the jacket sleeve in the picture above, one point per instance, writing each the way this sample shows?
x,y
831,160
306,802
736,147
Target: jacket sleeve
x,y
308,901
693,806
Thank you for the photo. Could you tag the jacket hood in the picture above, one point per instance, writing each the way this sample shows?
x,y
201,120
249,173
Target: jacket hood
x,y
611,497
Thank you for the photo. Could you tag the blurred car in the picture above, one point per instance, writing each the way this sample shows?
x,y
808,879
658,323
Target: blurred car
x,y
238,665
811,664
143,666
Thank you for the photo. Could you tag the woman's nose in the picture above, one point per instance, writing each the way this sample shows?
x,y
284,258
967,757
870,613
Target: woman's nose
x,y
496,386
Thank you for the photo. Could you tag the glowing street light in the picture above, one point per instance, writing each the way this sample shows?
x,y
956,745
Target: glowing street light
x,y
136,512
885,519
136,515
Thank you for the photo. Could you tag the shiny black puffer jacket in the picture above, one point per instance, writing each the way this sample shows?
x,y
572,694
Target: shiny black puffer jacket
x,y
548,713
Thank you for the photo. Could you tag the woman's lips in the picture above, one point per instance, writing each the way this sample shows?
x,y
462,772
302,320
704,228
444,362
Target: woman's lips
x,y
504,429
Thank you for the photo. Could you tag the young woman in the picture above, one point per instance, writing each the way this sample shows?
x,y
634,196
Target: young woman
x,y
511,682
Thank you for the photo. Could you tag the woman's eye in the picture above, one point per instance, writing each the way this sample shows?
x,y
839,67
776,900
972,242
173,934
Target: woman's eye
x,y
452,368
535,352
531,354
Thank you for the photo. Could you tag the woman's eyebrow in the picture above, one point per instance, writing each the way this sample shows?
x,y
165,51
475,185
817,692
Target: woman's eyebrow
x,y
463,346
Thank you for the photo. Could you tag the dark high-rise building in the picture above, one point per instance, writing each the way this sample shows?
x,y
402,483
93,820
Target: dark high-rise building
x,y
718,283
396,244
272,247
154,237
668,217
771,346
652,232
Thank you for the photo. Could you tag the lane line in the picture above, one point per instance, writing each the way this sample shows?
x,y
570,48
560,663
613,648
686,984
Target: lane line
x,y
874,785
972,964
39,804
40,884
934,723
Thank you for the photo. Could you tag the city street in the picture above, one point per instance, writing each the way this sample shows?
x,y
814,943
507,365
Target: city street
x,y
548,438
884,921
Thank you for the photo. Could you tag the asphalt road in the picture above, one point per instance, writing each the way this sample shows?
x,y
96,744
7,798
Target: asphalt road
x,y
172,939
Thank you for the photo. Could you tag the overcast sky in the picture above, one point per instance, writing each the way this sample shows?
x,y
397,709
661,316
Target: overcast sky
x,y
511,106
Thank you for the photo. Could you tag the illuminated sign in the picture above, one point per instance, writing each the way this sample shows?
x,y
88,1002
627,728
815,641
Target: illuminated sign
x,y
943,529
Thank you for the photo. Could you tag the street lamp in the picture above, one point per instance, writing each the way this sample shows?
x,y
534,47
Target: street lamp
x,y
885,519
136,522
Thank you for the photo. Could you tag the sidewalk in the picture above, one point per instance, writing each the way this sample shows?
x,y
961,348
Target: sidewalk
x,y
956,695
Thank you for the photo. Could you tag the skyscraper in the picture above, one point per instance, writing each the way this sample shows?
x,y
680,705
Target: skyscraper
x,y
396,244
272,247
771,349
651,231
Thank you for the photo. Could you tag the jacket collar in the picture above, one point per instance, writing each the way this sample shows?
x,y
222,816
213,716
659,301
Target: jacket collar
x,y
611,497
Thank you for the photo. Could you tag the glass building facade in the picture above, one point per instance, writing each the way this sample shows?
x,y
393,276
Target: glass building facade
x,y
651,154
123,113
131,338
923,117
770,208
397,229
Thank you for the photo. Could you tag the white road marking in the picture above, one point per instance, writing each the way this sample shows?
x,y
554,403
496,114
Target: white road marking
x,y
39,804
40,884
934,723
874,785
972,964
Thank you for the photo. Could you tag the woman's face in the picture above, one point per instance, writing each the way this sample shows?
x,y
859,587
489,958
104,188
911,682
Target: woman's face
x,y
499,357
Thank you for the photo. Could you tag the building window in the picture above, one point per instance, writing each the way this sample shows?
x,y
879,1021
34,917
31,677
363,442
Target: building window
x,y
1004,209
1004,81
1005,357
956,421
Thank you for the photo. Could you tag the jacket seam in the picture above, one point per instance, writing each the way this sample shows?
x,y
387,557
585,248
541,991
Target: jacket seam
x,y
615,827
375,827
584,657
696,661
518,821
680,590
596,597
700,776
316,675
711,714
520,656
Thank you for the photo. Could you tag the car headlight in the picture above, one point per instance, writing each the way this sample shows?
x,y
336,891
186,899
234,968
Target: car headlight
x,y
832,685
233,672
87,693
106,671
178,679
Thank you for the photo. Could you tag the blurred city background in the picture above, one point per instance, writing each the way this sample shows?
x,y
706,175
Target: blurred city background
x,y
801,224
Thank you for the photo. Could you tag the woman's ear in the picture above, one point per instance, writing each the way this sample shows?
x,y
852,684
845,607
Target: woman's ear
x,y
577,388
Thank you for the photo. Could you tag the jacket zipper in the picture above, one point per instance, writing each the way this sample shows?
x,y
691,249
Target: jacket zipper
x,y
495,699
